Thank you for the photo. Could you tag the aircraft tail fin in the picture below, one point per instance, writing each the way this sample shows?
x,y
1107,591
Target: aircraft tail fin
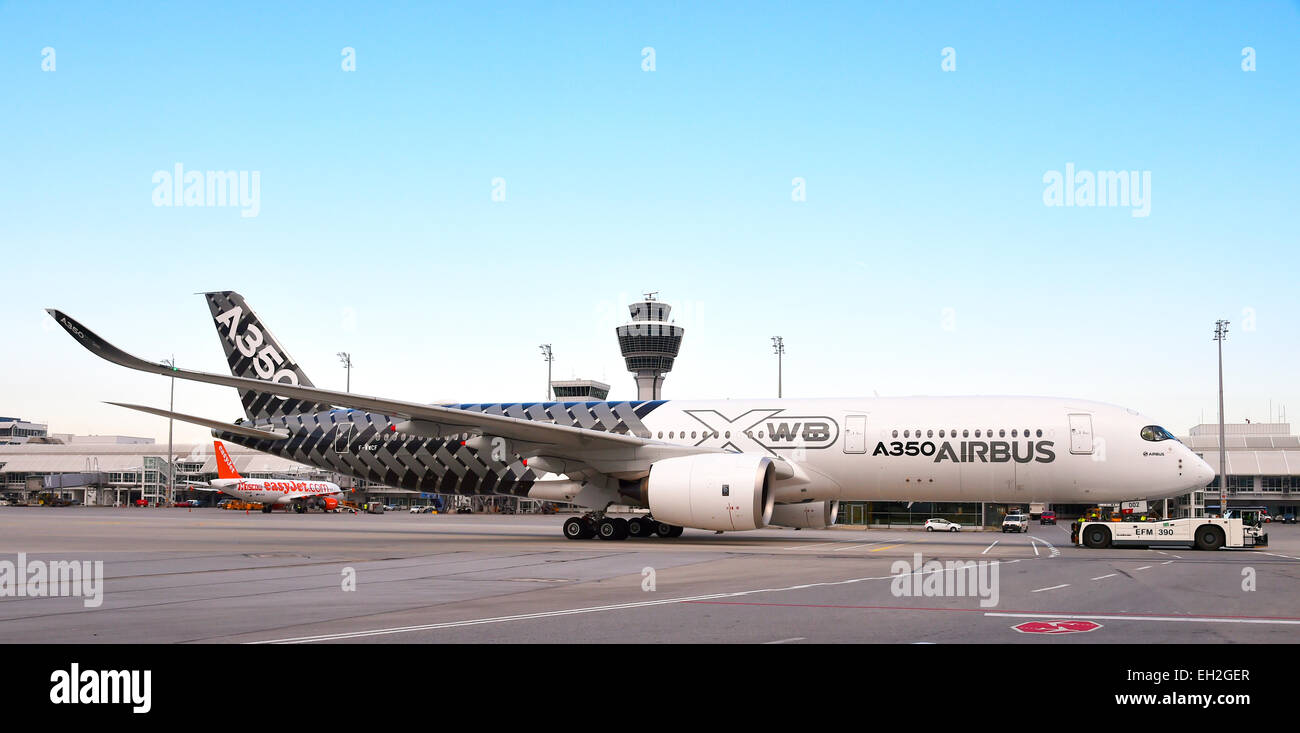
x,y
225,466
253,353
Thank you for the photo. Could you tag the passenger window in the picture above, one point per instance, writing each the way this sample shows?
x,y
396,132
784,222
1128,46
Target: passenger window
x,y
1002,433
965,433
895,434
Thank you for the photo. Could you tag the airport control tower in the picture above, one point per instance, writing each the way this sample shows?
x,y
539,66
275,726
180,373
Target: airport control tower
x,y
649,344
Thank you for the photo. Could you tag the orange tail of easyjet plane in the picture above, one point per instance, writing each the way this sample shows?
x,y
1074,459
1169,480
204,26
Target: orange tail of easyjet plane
x,y
225,466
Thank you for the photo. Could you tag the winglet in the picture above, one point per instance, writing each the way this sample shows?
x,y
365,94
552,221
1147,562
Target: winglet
x,y
102,348
225,466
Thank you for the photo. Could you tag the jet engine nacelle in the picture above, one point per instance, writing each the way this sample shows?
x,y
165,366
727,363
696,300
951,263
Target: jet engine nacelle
x,y
727,491
809,515
329,503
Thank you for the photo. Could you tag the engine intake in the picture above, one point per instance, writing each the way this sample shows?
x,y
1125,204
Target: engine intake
x,y
727,491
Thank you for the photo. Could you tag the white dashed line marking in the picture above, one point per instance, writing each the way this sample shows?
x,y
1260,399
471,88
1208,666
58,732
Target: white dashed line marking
x,y
786,641
990,547
1050,546
1054,587
1144,567
1103,577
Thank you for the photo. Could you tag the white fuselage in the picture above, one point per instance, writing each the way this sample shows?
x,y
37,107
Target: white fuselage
x,y
1015,449
269,491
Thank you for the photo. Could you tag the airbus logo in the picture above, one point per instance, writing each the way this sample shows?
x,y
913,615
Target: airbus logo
x,y
766,428
972,451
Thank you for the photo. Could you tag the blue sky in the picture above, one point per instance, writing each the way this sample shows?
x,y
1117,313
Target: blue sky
x,y
377,233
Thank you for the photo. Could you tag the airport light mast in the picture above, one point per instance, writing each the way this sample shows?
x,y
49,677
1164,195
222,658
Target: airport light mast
x,y
1221,333
345,358
649,345
549,357
778,348
171,458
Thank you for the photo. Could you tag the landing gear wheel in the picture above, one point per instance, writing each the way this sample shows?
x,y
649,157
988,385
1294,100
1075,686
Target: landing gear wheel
x,y
1209,538
578,528
1096,537
612,529
266,509
640,527
675,531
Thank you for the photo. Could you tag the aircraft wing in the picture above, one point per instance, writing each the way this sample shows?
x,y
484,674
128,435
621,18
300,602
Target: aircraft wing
x,y
590,446
244,430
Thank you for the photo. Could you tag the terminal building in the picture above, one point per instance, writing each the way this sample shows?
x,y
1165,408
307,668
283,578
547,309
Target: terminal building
x,y
1263,468
120,473
16,431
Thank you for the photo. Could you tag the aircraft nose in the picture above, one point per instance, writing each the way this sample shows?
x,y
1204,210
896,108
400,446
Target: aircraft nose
x,y
1202,472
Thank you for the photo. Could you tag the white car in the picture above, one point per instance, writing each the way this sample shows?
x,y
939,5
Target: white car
x,y
941,525
417,510
1015,523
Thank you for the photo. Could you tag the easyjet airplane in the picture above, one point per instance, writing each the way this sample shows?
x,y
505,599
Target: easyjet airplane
x,y
301,495
715,465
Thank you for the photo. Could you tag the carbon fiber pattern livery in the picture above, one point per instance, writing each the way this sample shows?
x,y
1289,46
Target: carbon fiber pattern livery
x,y
254,353
363,445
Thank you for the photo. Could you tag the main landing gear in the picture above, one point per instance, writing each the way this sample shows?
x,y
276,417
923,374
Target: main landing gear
x,y
598,524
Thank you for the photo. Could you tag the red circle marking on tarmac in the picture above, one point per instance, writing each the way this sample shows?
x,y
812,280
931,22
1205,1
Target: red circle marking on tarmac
x,y
1056,627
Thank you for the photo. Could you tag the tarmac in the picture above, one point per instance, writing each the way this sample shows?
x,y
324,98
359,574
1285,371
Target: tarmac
x,y
214,576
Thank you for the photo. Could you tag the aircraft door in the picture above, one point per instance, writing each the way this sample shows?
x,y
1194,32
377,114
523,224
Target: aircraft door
x,y
343,438
1081,434
855,434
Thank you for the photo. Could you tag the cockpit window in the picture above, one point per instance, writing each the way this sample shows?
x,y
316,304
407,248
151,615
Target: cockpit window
x,y
1155,433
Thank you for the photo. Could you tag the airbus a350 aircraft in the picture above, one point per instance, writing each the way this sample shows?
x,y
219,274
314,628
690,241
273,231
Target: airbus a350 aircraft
x,y
715,465
301,495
